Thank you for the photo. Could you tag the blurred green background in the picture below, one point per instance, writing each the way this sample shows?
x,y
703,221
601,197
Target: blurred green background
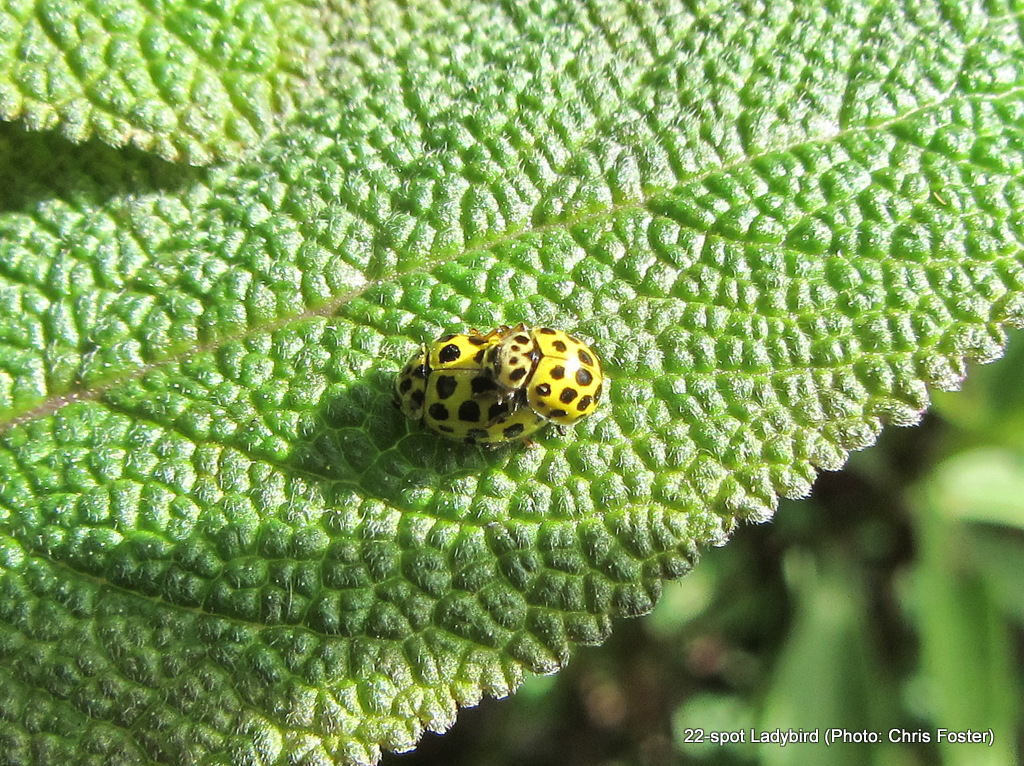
x,y
891,599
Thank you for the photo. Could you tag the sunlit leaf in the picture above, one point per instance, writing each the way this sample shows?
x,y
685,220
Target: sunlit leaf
x,y
186,80
778,225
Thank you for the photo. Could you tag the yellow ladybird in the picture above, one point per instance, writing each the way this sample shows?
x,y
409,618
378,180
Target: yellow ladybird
x,y
446,387
556,375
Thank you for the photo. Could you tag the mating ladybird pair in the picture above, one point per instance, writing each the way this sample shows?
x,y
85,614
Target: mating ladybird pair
x,y
505,385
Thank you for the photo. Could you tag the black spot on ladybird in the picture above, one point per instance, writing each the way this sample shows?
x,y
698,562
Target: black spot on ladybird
x,y
481,384
597,393
559,346
475,433
477,341
558,372
438,411
567,395
449,353
405,385
513,361
543,389
557,414
446,385
417,398
469,411
583,377
445,338
421,371
445,429
518,373
479,358
497,410
586,358
521,339
583,404
547,331
513,431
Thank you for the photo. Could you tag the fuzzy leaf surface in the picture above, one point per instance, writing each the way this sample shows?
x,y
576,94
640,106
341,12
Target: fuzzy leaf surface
x,y
777,224
192,81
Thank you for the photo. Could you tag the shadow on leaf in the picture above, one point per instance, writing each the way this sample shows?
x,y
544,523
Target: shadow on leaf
x,y
359,439
50,167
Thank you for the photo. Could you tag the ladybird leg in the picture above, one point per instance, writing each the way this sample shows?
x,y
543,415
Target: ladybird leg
x,y
501,397
491,335
516,399
482,387
498,419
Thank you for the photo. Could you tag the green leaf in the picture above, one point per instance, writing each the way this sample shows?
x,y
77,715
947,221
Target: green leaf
x,y
967,648
827,678
189,81
776,225
984,485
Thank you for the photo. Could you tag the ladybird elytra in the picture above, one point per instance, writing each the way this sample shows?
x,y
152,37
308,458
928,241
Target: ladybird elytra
x,y
557,375
446,388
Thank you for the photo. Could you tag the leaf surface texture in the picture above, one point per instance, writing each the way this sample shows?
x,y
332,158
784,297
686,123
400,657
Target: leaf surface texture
x,y
777,224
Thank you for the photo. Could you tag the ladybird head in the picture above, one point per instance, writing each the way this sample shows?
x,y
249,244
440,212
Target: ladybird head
x,y
511,361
